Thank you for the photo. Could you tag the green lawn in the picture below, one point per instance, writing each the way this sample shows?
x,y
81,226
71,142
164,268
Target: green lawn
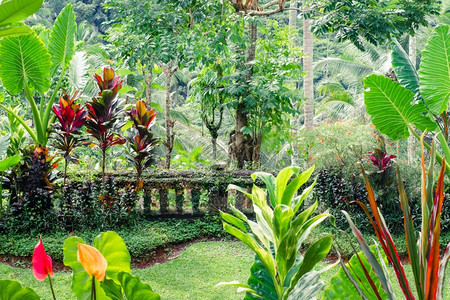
x,y
193,275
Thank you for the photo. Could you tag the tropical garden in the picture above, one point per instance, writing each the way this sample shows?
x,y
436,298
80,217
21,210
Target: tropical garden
x,y
224,149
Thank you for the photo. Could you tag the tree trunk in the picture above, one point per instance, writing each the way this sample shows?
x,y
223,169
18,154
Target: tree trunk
x,y
241,116
308,68
148,91
214,147
239,142
293,121
170,135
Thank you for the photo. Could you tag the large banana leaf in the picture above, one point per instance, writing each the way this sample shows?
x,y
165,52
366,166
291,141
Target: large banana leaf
x,y
24,61
15,10
389,105
62,39
435,70
404,70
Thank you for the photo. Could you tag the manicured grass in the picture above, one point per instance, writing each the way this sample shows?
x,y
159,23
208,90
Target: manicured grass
x,y
193,275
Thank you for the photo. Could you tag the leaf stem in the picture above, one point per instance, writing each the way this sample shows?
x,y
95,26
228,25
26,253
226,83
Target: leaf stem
x,y
51,287
93,293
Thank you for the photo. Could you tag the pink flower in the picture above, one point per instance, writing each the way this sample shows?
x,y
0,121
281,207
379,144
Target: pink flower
x,y
42,263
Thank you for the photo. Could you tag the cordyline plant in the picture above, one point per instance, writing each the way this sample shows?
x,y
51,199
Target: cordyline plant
x,y
423,251
103,113
141,139
280,271
379,157
67,134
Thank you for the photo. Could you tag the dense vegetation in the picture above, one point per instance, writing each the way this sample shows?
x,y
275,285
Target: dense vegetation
x,y
148,117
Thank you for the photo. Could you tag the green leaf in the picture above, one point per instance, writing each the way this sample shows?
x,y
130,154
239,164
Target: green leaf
x,y
112,289
281,182
315,253
62,39
404,70
309,285
434,70
24,61
269,181
9,162
2,97
294,185
261,282
4,144
113,248
12,290
389,105
341,287
15,10
134,289
12,31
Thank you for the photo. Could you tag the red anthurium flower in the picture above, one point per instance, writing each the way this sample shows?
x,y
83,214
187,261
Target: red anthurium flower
x,y
42,263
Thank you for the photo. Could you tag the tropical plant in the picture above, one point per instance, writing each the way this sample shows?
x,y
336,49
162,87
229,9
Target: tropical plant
x,y
280,271
13,11
67,134
419,100
26,65
189,160
103,113
423,252
141,139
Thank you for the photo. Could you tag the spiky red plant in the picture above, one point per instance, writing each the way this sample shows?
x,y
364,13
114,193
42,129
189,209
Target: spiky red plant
x,y
103,113
141,139
66,133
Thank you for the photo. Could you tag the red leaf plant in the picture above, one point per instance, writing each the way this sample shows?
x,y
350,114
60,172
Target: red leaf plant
x,y
104,112
141,139
67,134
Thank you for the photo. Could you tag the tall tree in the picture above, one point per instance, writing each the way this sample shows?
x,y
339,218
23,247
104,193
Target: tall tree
x,y
308,83
244,144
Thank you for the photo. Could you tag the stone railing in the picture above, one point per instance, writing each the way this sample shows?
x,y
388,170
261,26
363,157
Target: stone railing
x,y
188,187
